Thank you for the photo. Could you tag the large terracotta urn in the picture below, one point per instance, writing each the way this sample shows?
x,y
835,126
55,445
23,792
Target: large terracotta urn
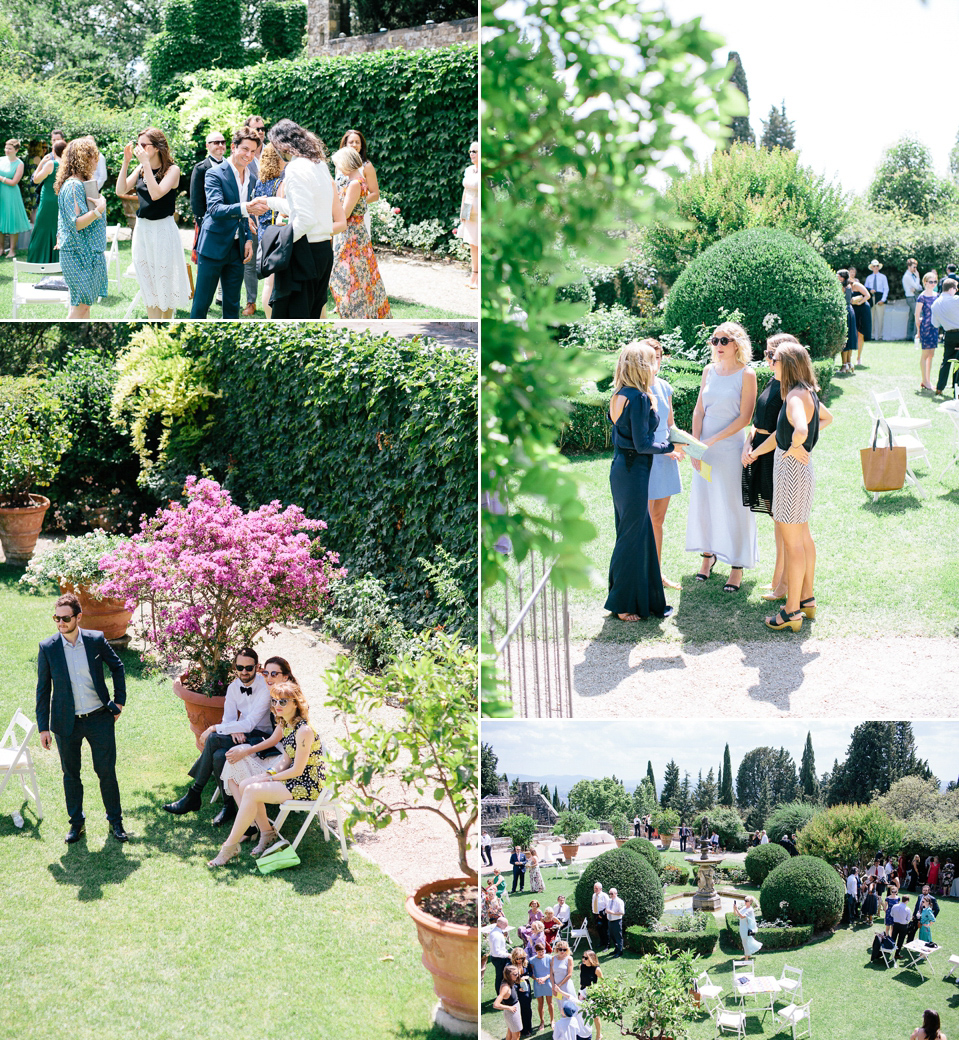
x,y
450,953
106,615
20,528
202,712
569,850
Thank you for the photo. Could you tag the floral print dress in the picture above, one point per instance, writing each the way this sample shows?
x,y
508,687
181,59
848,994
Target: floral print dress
x,y
307,785
355,282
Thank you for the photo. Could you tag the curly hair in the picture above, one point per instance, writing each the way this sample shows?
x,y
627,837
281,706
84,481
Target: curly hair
x,y
271,163
288,136
79,160
292,691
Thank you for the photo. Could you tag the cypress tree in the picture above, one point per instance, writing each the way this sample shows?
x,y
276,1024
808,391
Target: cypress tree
x,y
650,776
807,773
778,131
726,788
741,130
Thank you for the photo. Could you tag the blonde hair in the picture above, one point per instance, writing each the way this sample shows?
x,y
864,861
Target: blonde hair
x,y
634,367
79,160
561,947
929,278
739,336
795,368
271,163
517,954
347,159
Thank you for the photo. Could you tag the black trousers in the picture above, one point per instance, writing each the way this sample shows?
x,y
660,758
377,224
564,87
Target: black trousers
x,y
499,966
899,934
616,934
98,732
602,926
486,853
213,756
310,299
950,350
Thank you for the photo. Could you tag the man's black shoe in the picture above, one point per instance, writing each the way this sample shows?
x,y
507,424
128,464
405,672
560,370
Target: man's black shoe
x,y
226,815
118,832
190,802
76,829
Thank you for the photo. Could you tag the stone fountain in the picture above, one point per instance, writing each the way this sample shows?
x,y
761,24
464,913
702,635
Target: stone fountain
x,y
706,897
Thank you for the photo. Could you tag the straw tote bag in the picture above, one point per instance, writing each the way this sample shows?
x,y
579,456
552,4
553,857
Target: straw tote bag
x,y
883,468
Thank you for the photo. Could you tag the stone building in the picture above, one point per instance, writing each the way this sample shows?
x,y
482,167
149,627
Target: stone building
x,y
327,26
495,808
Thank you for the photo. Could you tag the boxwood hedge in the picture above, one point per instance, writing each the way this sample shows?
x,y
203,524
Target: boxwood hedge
x,y
761,859
805,890
702,944
635,880
644,847
762,271
771,938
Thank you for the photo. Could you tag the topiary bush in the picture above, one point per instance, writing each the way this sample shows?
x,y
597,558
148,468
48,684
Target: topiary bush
x,y
805,890
645,848
772,938
761,859
636,881
702,942
762,271
728,825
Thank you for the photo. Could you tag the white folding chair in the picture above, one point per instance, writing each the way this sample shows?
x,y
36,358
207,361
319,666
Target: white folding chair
x,y
315,809
915,449
954,961
729,1021
15,758
112,253
795,1015
25,292
709,992
901,421
791,982
951,409
580,933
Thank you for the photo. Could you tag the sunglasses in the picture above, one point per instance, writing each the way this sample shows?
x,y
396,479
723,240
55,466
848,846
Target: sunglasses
x,y
221,141
716,340
770,354
64,618
245,667
280,702
273,674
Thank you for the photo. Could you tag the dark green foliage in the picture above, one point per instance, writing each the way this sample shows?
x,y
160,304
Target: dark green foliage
x,y
196,34
519,828
812,889
33,437
34,347
364,617
789,819
645,848
607,328
749,270
727,824
739,125
600,799
373,435
932,838
670,791
778,131
879,754
765,778
489,780
643,940
369,16
761,859
384,94
636,881
808,781
651,776
906,181
281,24
673,875
771,938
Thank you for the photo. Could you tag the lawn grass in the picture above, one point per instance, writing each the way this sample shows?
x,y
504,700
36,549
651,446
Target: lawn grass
x,y
114,307
850,996
882,568
108,940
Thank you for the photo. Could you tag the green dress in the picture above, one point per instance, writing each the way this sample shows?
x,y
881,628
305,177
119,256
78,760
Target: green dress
x,y
13,217
43,241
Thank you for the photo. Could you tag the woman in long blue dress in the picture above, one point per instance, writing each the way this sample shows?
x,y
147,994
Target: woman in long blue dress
x,y
664,480
635,580
81,229
747,923
928,333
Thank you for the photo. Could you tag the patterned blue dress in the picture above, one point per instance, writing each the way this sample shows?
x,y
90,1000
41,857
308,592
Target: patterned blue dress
x,y
928,333
81,250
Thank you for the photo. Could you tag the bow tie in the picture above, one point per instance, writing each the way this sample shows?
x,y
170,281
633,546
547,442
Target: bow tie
x,y
246,689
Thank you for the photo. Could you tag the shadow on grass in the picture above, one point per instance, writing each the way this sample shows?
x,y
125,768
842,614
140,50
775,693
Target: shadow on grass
x,y
887,506
90,872
405,1032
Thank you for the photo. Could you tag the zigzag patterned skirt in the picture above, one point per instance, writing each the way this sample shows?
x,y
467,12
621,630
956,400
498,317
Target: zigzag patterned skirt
x,y
793,486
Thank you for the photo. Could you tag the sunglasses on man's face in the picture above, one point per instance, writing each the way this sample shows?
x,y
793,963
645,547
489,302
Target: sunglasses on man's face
x,y
246,667
64,618
716,340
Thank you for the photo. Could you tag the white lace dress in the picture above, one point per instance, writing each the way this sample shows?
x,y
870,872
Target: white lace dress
x,y
159,261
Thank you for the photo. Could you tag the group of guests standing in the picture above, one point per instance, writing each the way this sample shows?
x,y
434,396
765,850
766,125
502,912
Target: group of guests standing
x,y
758,460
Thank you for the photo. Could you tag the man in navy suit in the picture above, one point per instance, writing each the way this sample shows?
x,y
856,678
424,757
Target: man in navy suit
x,y
224,244
72,663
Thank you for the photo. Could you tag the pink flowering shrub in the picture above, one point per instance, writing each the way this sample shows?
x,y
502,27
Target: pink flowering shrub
x,y
212,578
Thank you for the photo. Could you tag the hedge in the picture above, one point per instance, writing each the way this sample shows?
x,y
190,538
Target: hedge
x,y
417,110
762,271
702,944
771,938
932,838
761,859
635,880
645,848
374,435
812,891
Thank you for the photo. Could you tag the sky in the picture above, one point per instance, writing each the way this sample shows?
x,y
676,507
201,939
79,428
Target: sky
x,y
854,79
597,749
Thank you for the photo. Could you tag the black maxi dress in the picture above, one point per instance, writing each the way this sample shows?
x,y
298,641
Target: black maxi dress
x,y
758,475
635,581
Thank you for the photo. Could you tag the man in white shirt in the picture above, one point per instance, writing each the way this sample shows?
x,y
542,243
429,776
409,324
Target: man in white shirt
x,y
599,907
945,314
901,915
852,895
246,719
878,285
614,914
486,848
561,910
911,287
498,939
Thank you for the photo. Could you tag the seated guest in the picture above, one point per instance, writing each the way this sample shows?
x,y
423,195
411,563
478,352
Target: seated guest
x,y
551,925
298,773
246,718
499,881
561,910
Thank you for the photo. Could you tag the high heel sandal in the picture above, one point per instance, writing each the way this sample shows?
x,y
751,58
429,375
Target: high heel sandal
x,y
226,853
793,621
707,556
807,610
267,838
729,586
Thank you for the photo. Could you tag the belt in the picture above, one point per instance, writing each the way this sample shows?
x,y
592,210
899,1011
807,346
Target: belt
x,y
87,714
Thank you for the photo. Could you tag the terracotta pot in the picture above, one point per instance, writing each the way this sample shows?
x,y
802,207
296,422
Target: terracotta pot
x,y
20,528
449,954
620,842
202,712
106,615
570,850
667,840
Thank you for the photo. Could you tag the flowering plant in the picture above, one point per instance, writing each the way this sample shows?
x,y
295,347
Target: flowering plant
x,y
75,561
213,577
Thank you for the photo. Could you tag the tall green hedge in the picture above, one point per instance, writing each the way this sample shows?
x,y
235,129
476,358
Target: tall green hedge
x,y
645,940
632,876
762,271
417,110
374,435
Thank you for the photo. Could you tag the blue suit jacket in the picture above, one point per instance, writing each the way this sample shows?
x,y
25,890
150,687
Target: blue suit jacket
x,y
223,218
58,714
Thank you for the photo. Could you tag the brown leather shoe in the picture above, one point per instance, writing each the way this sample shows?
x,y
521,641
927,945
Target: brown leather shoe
x,y
249,310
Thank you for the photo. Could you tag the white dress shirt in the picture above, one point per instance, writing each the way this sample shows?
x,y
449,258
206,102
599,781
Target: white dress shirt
x,y
852,885
600,902
309,200
242,181
877,283
561,911
85,696
616,909
245,712
497,942
911,283
945,311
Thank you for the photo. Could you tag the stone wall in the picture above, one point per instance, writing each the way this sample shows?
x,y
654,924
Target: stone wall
x,y
326,19
494,809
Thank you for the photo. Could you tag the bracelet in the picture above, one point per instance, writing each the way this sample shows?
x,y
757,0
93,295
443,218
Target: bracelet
x,y
272,772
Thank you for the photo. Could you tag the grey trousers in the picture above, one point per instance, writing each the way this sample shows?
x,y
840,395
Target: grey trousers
x,y
249,274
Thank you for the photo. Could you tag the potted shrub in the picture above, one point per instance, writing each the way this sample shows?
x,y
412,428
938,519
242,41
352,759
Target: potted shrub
x,y
74,565
422,759
212,578
666,821
622,828
520,829
570,824
33,436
